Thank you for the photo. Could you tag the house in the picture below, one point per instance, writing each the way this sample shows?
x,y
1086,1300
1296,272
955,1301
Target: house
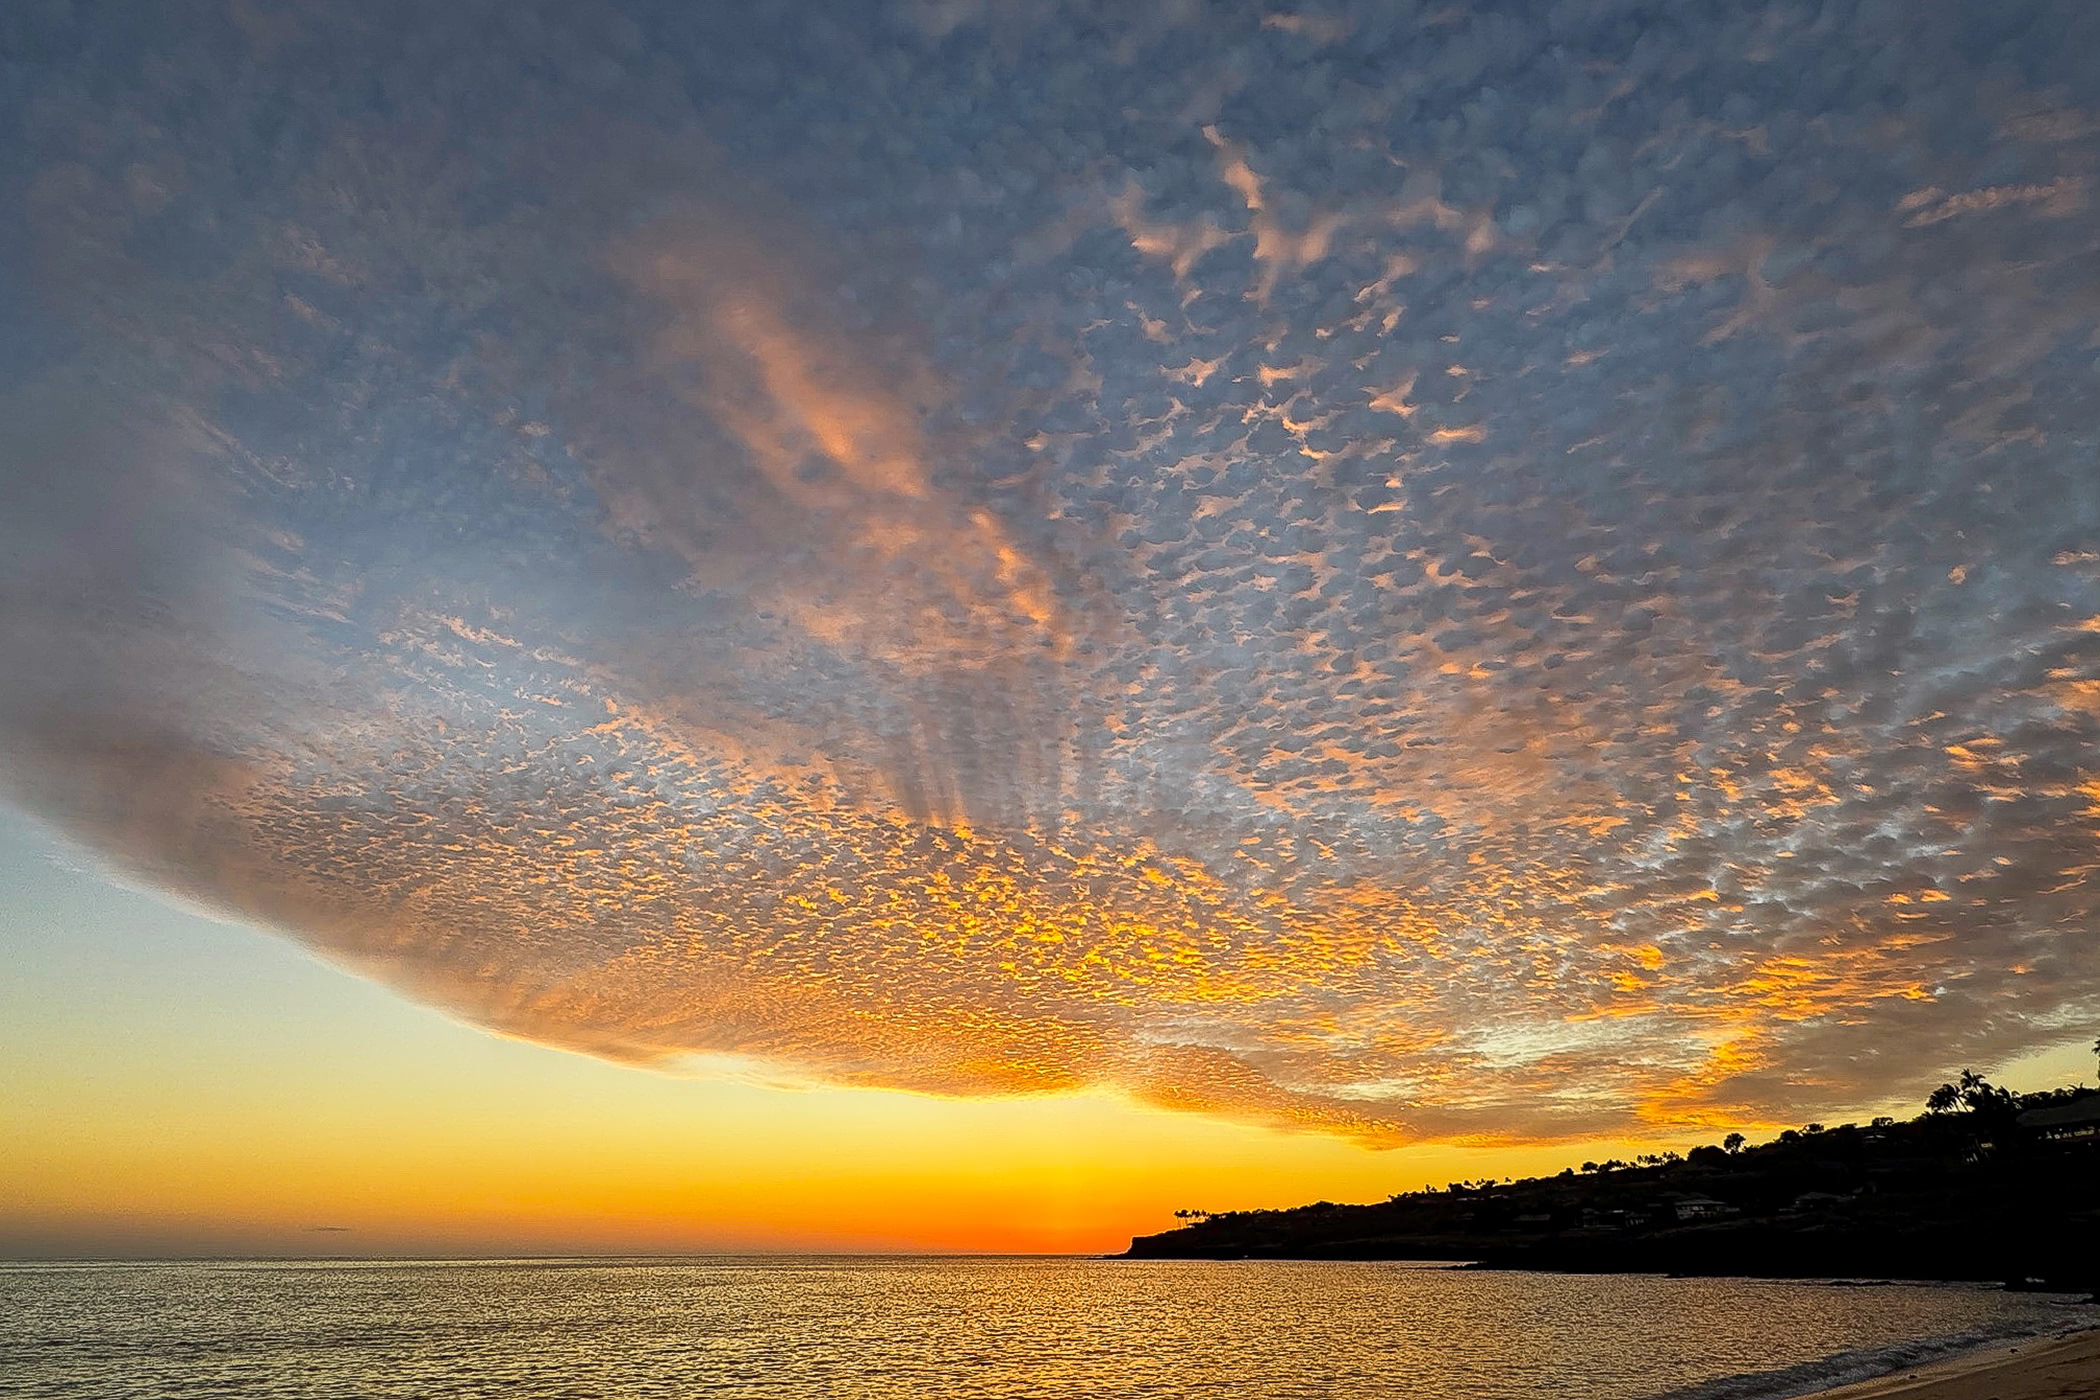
x,y
2076,1121
1703,1208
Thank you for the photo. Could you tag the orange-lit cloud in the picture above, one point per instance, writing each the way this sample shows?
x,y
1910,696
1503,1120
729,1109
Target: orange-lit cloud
x,y
1431,621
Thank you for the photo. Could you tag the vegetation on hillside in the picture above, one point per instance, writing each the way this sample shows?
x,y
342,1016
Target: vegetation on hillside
x,y
1985,1184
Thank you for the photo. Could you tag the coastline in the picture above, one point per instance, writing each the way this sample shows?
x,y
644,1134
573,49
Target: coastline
x,y
2061,1367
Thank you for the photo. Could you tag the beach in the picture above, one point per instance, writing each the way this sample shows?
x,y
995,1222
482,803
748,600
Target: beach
x,y
2060,1368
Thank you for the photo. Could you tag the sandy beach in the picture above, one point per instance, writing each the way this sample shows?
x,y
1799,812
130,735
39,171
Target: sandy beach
x,y
2061,1368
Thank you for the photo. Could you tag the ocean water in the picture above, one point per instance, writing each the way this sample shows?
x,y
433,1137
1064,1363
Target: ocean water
x,y
918,1327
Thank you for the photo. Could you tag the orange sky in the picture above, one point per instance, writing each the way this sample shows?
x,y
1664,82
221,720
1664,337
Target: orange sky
x,y
172,1084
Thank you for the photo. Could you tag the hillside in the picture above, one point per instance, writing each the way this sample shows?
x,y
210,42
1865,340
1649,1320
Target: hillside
x,y
1986,1186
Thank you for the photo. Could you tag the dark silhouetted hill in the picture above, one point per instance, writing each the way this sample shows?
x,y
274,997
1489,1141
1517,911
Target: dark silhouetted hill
x,y
1988,1186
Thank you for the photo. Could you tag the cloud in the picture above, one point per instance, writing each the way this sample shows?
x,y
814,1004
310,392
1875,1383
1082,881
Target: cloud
x,y
1525,582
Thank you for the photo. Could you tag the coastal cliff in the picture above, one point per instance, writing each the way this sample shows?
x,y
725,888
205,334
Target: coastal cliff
x,y
2007,1190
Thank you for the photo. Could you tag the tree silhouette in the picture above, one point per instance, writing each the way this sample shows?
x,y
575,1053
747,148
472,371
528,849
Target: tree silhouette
x,y
1733,1143
1984,1097
1976,1094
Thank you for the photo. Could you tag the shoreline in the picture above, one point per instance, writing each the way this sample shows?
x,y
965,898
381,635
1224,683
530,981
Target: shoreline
x,y
2062,1366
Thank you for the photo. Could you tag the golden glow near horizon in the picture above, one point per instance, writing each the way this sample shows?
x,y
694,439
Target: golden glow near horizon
x,y
172,1085
1536,595
215,1095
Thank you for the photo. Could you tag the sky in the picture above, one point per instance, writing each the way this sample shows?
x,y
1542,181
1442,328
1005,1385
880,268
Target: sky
x,y
955,625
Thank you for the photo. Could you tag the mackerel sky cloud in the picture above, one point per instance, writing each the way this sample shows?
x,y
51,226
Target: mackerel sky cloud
x,y
1416,571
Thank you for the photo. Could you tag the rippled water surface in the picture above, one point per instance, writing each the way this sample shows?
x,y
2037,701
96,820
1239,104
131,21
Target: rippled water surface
x,y
971,1327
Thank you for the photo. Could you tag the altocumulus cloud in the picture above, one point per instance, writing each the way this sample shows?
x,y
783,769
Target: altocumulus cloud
x,y
1405,570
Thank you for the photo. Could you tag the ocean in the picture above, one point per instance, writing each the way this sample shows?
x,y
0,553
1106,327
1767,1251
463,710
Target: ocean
x,y
889,1328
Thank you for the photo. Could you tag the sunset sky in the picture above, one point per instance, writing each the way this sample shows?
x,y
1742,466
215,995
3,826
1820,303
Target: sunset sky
x,y
956,624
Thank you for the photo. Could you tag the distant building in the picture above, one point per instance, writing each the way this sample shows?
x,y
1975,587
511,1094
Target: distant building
x,y
1702,1208
2077,1121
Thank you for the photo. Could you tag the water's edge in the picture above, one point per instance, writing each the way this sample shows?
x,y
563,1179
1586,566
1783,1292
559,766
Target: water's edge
x,y
1868,1363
